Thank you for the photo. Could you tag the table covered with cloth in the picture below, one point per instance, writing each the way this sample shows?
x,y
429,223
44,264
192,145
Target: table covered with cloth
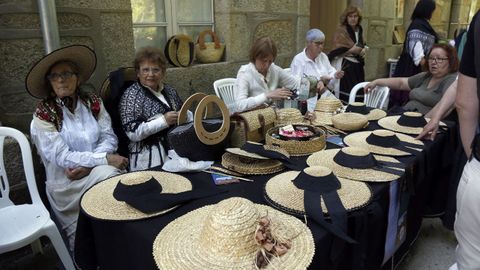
x,y
128,244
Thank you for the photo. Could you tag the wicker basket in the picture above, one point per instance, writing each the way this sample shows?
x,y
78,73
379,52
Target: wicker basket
x,y
296,147
252,125
208,52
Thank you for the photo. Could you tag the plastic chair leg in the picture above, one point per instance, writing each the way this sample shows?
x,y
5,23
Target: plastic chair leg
x,y
60,248
36,247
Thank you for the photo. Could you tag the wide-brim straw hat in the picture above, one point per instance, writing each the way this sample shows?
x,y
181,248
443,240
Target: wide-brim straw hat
x,y
251,166
99,202
326,158
359,139
391,123
84,57
373,113
282,193
350,121
222,236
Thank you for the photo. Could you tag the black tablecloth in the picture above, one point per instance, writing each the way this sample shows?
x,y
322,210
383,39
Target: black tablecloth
x,y
128,244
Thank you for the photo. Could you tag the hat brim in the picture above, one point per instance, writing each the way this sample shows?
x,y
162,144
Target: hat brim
x,y
325,158
177,245
98,201
376,114
284,195
243,153
390,123
82,56
359,139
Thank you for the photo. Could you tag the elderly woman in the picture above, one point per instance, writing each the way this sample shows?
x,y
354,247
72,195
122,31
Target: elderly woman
x,y
349,51
426,88
419,40
72,131
261,81
148,110
312,62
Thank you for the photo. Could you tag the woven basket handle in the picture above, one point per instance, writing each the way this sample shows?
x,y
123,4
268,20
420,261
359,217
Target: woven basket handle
x,y
216,137
182,114
201,39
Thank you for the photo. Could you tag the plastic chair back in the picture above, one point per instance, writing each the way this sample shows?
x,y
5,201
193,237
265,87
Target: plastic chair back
x,y
378,98
225,89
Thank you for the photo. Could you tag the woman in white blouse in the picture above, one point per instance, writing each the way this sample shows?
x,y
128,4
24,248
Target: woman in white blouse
x,y
72,131
261,81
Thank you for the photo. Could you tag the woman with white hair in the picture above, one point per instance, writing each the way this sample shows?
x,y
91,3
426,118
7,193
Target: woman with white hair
x,y
312,62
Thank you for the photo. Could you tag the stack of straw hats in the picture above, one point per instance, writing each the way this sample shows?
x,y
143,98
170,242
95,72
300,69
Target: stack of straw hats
x,y
288,116
349,121
282,193
100,203
325,108
223,236
243,162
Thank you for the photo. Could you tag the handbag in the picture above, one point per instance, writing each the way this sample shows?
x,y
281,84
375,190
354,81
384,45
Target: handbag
x,y
179,50
208,52
252,125
202,139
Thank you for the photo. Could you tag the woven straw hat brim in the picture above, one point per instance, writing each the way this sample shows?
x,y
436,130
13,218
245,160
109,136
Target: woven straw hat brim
x,y
99,202
376,114
81,55
325,158
390,123
177,245
243,153
252,167
359,139
283,194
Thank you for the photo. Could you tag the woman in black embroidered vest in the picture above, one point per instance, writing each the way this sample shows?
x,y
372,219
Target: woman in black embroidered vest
x,y
71,130
148,110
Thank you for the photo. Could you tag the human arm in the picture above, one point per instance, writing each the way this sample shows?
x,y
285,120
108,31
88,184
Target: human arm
x,y
437,113
399,83
467,106
108,141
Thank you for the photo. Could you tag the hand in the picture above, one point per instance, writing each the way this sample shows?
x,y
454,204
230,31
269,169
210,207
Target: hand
x,y
279,93
309,116
356,50
117,161
429,130
339,74
370,87
362,53
171,117
77,173
321,88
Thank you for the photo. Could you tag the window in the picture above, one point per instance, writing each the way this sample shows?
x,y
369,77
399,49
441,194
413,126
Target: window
x,y
154,21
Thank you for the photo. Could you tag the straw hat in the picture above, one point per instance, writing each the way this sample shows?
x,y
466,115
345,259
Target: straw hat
x,y
408,122
372,114
99,202
349,121
180,50
398,144
282,193
288,116
240,152
376,173
243,164
329,104
323,118
224,236
81,55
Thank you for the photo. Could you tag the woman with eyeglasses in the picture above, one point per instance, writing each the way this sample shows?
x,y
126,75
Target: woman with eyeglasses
x,y
426,88
71,130
148,110
348,53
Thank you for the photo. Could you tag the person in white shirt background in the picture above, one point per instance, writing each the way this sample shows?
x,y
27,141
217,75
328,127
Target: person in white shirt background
x,y
312,61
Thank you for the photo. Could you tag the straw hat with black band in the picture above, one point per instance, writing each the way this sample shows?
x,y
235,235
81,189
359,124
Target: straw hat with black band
x,y
234,234
385,142
99,201
409,123
372,114
358,164
315,191
83,57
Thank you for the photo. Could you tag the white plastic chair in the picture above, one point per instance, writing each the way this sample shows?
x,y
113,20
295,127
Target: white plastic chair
x,y
378,98
225,89
23,224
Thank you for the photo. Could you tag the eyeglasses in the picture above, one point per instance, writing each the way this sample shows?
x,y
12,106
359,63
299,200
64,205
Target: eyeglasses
x,y
64,75
437,60
318,43
146,71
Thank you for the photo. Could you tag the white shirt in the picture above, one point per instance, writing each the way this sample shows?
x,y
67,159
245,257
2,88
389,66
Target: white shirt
x,y
82,141
252,86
